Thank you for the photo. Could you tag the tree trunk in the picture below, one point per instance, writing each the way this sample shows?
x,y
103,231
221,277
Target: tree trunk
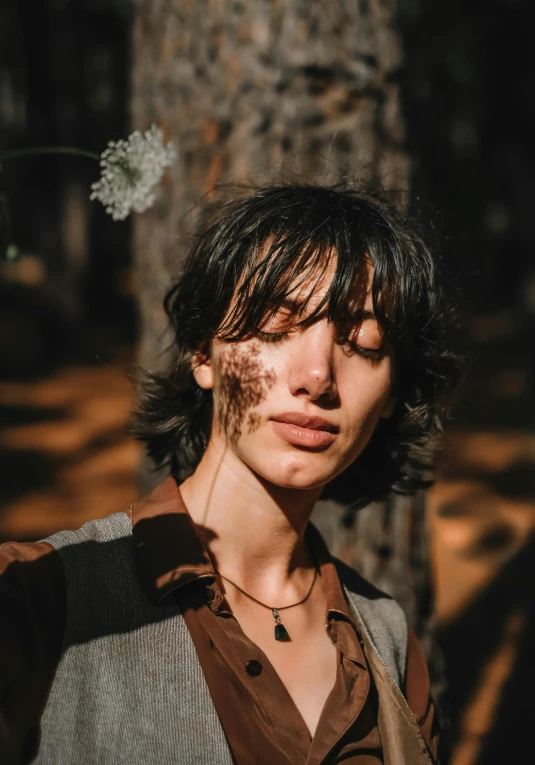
x,y
246,89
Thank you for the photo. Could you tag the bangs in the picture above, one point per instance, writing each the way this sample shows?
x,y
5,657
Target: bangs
x,y
283,263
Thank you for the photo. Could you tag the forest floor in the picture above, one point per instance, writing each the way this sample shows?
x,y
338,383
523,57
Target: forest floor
x,y
67,457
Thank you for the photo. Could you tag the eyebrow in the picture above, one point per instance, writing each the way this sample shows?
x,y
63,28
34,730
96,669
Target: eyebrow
x,y
361,314
292,305
295,306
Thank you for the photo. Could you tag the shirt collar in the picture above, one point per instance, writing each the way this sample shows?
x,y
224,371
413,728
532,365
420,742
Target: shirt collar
x,y
169,550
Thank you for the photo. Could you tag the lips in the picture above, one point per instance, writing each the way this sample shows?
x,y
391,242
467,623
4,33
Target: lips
x,y
301,430
303,421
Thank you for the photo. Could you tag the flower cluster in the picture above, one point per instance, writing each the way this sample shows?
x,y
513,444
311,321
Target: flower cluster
x,y
130,171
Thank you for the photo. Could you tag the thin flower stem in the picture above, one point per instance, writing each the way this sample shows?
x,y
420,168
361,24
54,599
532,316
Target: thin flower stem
x,y
48,150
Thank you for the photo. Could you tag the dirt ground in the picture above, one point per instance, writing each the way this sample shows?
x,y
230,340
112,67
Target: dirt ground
x,y
67,457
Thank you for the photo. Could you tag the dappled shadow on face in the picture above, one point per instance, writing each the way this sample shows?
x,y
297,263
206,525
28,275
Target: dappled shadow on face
x,y
243,384
253,422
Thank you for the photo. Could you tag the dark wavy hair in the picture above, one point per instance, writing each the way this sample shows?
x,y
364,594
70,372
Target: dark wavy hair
x,y
258,248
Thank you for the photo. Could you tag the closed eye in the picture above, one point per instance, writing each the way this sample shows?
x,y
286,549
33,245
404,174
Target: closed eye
x,y
271,337
375,354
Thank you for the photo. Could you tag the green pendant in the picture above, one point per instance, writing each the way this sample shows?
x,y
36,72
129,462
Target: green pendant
x,y
281,632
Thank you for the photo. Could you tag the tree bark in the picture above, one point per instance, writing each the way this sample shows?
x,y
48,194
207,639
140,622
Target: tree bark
x,y
251,91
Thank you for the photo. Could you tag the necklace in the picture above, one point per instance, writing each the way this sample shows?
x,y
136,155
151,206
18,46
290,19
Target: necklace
x,y
281,633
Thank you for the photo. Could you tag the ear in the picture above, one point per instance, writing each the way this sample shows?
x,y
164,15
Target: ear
x,y
389,405
202,370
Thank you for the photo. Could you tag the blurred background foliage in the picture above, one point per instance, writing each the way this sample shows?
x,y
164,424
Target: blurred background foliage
x,y
67,299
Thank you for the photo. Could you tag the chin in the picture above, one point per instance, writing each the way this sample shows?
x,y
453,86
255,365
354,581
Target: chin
x,y
296,474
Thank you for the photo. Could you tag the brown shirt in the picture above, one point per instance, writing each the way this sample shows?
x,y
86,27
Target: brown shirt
x,y
260,720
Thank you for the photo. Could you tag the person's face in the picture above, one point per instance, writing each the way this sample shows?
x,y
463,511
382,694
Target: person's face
x,y
297,405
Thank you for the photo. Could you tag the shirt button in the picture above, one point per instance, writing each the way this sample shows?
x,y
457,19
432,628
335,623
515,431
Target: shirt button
x,y
253,668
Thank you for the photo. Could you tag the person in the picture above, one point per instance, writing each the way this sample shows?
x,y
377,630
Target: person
x,y
208,623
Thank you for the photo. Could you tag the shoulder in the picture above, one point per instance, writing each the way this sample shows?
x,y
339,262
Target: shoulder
x,y
98,561
101,530
33,574
36,577
386,625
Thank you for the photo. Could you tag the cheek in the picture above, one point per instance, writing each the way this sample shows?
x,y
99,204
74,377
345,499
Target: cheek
x,y
242,381
368,391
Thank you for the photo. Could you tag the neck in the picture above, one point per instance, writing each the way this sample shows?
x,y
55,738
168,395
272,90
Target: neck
x,y
254,531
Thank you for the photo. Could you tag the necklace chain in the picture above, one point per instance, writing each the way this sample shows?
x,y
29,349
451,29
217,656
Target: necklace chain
x,y
272,608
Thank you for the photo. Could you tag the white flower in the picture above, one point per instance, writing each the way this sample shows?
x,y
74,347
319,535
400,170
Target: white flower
x,y
130,171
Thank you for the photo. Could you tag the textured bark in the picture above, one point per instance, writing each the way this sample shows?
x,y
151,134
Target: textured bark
x,y
252,91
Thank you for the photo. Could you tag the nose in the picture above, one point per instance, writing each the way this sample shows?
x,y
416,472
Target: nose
x,y
312,370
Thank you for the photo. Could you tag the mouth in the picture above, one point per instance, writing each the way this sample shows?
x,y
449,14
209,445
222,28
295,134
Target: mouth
x,y
301,430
